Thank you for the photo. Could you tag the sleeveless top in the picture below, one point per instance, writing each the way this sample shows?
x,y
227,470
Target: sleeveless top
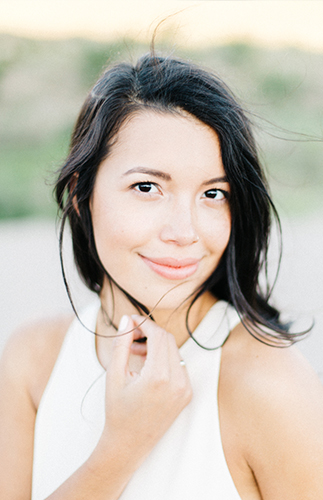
x,y
187,463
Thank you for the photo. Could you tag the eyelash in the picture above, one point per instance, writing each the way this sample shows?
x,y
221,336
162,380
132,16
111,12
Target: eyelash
x,y
222,191
137,185
149,183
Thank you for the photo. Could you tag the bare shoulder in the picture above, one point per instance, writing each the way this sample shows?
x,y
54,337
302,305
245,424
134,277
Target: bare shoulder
x,y
268,372
274,400
25,367
265,368
31,352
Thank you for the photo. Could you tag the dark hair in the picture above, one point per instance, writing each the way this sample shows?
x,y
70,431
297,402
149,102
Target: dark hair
x,y
171,85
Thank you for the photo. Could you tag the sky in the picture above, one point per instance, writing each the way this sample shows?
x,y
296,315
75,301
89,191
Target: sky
x,y
275,22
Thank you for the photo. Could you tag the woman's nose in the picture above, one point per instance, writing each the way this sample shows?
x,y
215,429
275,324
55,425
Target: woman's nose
x,y
179,227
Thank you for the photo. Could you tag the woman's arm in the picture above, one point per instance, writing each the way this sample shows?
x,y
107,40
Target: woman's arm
x,y
140,408
25,367
273,402
288,426
17,417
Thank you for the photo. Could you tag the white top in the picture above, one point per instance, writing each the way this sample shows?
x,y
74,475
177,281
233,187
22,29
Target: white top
x,y
187,463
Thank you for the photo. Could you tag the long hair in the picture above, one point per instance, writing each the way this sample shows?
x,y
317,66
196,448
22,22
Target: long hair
x,y
172,85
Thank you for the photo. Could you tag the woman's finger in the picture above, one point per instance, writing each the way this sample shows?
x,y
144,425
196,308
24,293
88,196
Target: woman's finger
x,y
158,344
156,336
121,348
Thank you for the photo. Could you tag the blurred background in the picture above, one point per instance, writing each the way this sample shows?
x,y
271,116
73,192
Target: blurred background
x,y
51,52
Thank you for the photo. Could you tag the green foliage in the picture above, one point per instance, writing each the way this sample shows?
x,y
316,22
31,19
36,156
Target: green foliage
x,y
27,175
43,85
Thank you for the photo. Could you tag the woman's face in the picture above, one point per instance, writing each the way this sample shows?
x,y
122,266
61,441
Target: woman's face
x,y
160,208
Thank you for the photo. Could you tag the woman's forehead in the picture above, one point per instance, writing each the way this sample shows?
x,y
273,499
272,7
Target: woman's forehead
x,y
168,141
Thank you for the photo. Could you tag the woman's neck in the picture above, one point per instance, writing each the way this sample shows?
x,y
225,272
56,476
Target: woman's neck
x,y
114,304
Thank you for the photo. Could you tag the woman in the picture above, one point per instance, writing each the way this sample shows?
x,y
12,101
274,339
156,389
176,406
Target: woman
x,y
199,394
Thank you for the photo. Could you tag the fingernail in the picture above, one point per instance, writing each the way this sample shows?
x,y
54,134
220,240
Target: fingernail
x,y
123,323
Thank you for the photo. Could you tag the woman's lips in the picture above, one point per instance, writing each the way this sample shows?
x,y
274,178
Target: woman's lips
x,y
172,269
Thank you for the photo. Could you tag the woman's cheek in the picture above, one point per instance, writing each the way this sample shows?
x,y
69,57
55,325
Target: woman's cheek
x,y
217,231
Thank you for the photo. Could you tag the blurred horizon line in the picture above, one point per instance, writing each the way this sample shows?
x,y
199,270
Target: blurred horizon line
x,y
234,40
186,23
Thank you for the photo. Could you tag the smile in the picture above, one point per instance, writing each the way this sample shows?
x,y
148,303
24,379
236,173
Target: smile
x,y
172,269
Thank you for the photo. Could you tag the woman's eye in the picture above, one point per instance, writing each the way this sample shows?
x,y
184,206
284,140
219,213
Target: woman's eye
x,y
145,187
215,194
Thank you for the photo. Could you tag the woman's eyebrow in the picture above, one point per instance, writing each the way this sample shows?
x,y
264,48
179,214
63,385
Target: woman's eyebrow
x,y
215,180
167,177
147,171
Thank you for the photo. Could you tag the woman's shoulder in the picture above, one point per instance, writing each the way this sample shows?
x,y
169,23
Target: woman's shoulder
x,y
31,352
275,378
260,368
274,400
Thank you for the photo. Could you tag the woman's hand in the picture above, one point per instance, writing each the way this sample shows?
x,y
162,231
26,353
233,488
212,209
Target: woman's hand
x,y
140,407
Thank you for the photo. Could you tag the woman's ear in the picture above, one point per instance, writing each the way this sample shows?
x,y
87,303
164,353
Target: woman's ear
x,y
72,188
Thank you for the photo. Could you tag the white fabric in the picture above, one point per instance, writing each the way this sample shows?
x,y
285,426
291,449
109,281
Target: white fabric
x,y
188,463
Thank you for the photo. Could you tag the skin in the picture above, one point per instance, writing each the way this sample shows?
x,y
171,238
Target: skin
x,y
145,215
270,401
